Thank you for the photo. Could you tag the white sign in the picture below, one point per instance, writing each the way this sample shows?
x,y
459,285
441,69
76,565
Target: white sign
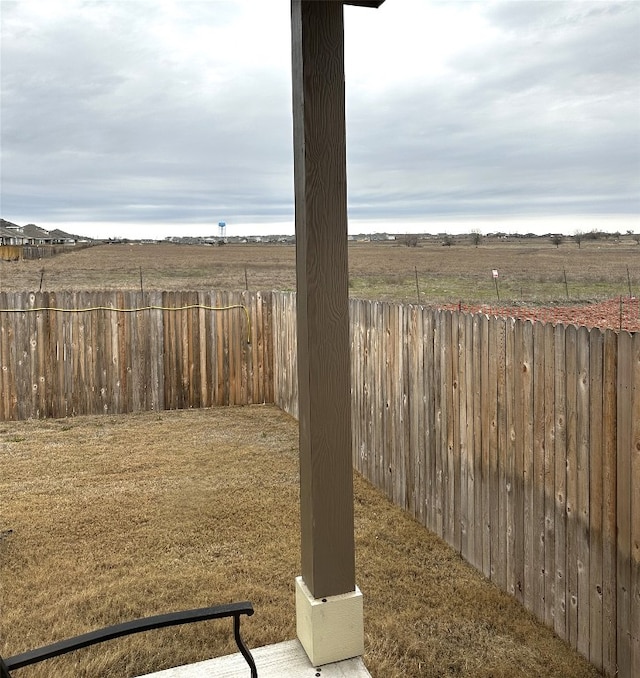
x,y
495,272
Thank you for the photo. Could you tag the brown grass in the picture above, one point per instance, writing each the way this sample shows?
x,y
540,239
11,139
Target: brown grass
x,y
531,271
116,517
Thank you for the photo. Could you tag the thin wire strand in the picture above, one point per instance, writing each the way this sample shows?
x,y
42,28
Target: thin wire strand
x,y
114,309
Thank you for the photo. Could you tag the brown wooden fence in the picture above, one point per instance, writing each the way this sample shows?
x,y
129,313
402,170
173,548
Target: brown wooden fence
x,y
87,353
517,442
17,252
10,252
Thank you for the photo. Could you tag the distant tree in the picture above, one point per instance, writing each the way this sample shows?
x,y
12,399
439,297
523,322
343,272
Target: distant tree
x,y
411,240
595,234
557,239
476,237
578,236
447,240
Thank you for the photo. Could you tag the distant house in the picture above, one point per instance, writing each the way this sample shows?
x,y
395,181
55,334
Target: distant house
x,y
59,237
35,235
33,242
10,234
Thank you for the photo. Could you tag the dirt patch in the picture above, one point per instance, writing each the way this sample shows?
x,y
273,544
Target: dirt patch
x,y
618,314
105,519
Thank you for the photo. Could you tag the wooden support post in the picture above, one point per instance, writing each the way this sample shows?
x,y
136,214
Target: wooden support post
x,y
328,603
328,606
326,477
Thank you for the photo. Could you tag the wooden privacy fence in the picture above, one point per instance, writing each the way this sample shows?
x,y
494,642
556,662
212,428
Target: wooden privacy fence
x,y
64,354
517,442
10,252
17,252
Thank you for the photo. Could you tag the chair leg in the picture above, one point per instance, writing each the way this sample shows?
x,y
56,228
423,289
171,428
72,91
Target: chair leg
x,y
242,647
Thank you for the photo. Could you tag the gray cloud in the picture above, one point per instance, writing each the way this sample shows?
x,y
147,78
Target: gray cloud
x,y
109,113
544,120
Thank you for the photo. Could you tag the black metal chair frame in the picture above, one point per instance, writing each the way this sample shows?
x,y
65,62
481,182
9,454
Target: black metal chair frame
x,y
234,610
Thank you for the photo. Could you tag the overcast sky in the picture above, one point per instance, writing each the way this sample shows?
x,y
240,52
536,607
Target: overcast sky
x,y
136,118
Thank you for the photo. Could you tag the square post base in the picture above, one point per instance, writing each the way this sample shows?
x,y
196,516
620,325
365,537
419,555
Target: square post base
x,y
330,629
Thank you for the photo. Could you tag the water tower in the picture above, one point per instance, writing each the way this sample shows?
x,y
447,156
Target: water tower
x,y
222,228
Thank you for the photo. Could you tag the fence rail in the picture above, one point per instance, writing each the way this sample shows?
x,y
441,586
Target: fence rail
x,y
111,352
517,442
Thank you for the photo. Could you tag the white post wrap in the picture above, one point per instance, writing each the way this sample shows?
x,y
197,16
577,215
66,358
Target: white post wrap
x,y
330,629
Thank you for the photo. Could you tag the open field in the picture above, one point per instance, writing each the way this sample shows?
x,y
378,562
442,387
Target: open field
x,y
531,271
108,518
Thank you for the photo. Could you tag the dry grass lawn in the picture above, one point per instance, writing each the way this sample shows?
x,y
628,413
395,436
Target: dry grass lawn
x,y
105,519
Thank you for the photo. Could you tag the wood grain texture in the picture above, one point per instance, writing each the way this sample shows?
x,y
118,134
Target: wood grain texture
x,y
560,451
582,515
609,503
430,419
624,496
494,459
596,503
502,488
326,481
438,417
572,486
549,475
514,524
538,471
476,386
453,437
634,613
466,413
415,386
527,395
